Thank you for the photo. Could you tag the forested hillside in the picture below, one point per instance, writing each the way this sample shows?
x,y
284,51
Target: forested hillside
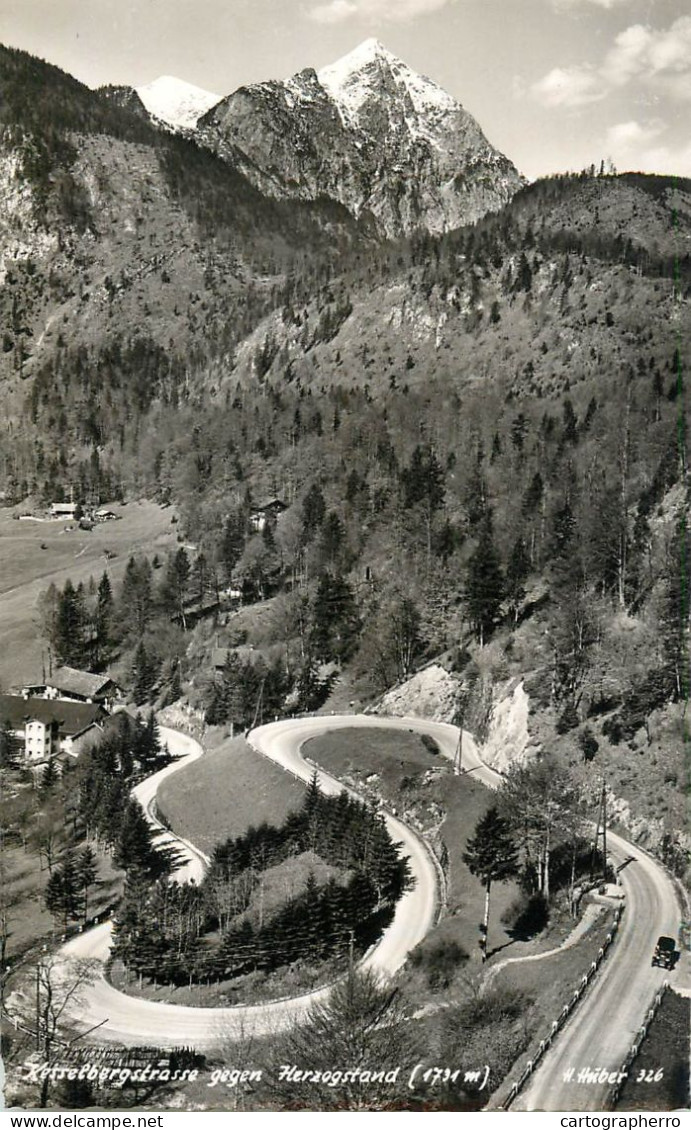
x,y
130,258
480,438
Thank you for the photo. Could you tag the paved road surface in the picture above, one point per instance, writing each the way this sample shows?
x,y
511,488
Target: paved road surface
x,y
598,1034
127,1020
604,1025
185,749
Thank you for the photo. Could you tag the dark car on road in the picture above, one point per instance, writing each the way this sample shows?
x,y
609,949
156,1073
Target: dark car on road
x,y
665,953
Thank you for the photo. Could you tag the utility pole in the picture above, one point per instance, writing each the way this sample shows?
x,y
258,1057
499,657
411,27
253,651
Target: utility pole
x,y
260,704
458,756
604,831
38,1006
459,719
601,831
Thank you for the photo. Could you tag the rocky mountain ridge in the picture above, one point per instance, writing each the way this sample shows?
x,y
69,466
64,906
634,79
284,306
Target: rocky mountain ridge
x,y
368,132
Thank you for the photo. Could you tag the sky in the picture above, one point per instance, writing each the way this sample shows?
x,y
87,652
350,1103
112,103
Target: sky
x,y
556,85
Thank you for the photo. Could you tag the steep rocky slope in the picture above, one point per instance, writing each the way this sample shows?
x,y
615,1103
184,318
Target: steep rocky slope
x,y
370,133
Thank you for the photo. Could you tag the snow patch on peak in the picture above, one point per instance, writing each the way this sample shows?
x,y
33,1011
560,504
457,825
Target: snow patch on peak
x,y
344,71
366,53
175,101
353,79
425,94
349,80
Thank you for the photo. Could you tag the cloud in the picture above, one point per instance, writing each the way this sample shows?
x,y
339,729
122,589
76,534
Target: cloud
x,y
658,60
608,4
333,13
569,86
374,11
627,136
664,159
630,146
626,58
661,159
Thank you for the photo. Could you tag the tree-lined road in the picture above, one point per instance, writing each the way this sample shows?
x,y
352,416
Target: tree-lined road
x,y
604,1026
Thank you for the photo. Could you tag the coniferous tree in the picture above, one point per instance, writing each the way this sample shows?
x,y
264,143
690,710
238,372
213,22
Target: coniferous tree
x,y
61,895
175,585
53,896
491,855
313,512
229,701
517,572
138,940
135,606
200,578
135,844
485,587
570,432
424,487
175,689
332,540
312,691
9,746
148,741
423,480
232,542
336,622
675,618
70,626
312,814
50,777
533,495
524,275
104,621
86,871
143,675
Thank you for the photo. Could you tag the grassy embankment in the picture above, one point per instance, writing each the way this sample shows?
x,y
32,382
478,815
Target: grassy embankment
x,y
24,879
666,1049
501,1028
398,767
27,570
221,795
215,798
226,791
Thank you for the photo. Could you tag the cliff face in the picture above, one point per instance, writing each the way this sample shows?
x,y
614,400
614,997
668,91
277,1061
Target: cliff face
x,y
370,133
508,740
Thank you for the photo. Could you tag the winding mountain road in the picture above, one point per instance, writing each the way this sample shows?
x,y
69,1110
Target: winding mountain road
x,y
596,1037
128,1020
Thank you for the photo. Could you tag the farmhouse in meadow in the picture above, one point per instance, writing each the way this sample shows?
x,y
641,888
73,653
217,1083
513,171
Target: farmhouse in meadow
x,y
64,510
72,685
48,727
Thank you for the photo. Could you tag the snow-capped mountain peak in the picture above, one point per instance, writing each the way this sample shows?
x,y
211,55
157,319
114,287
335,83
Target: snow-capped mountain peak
x,y
176,102
370,133
364,55
358,76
